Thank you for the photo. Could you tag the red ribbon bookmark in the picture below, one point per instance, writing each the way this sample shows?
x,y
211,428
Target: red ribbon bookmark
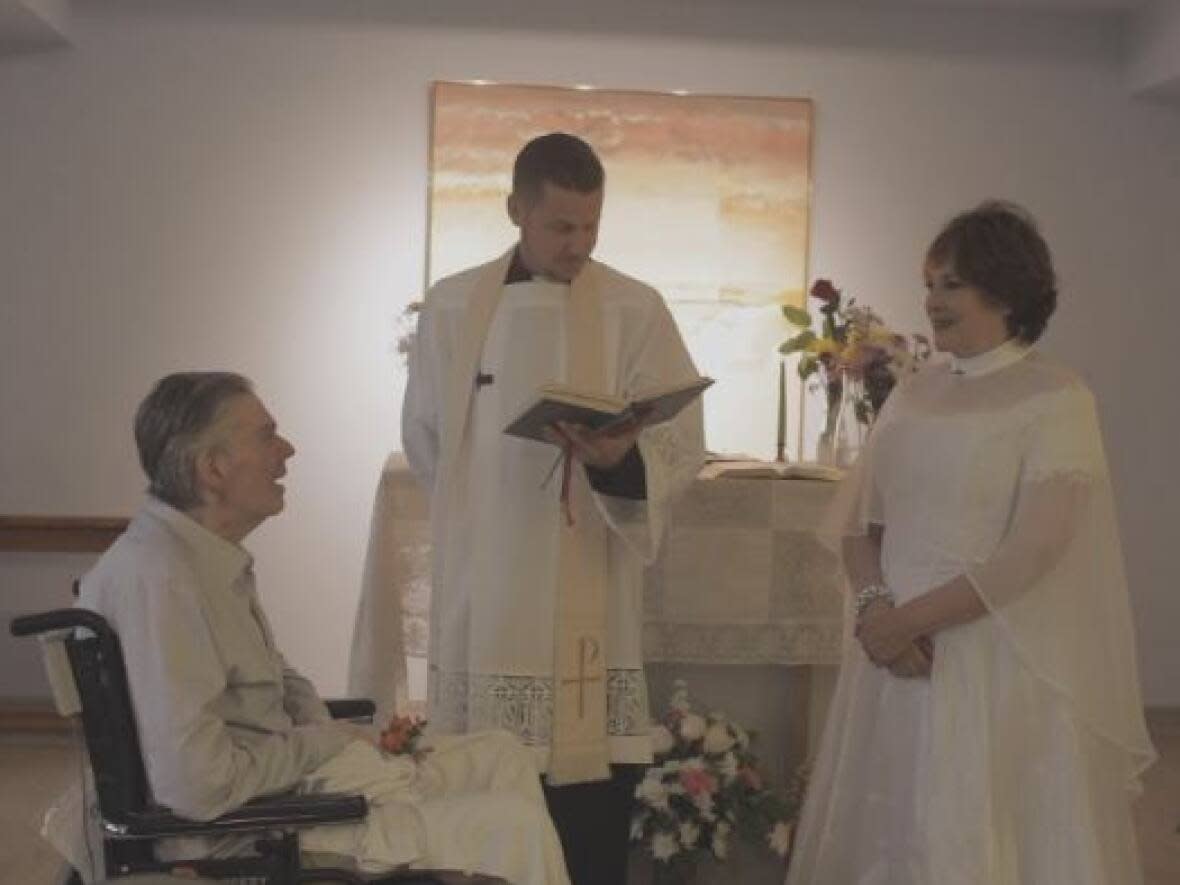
x,y
567,470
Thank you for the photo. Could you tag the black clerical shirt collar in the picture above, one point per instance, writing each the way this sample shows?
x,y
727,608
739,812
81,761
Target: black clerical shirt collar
x,y
517,272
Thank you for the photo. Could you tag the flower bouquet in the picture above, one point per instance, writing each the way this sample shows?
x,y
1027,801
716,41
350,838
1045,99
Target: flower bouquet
x,y
703,788
853,345
402,737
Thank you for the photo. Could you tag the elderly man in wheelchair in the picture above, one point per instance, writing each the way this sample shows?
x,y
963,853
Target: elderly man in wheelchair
x,y
224,725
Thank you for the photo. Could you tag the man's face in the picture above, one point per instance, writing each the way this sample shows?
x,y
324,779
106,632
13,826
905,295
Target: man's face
x,y
249,463
557,231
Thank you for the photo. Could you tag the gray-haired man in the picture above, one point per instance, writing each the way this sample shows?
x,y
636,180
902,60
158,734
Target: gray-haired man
x,y
223,717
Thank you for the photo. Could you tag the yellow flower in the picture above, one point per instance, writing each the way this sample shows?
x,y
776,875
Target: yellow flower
x,y
880,335
821,346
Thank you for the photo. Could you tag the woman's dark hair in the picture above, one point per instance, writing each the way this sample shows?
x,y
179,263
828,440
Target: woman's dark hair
x,y
997,248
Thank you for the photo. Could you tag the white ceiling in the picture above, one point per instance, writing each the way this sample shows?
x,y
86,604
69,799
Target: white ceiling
x,y
1075,6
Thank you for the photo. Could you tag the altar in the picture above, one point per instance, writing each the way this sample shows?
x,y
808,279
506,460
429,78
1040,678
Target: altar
x,y
742,603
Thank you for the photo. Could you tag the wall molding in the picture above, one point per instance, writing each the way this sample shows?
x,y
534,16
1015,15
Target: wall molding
x,y
32,717
59,534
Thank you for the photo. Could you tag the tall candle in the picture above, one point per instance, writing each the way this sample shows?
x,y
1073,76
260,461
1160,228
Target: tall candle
x,y
780,445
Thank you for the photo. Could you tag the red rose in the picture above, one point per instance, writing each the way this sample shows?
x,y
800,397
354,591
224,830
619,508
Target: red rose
x,y
825,291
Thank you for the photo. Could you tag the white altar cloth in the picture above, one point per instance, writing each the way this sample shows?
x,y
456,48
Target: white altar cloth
x,y
741,581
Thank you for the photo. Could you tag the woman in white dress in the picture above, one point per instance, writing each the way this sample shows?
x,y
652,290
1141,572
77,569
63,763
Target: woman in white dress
x,y
987,726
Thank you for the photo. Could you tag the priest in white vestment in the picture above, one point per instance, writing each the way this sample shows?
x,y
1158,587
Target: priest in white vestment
x,y
536,603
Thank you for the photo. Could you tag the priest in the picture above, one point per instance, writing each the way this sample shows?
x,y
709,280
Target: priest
x,y
536,608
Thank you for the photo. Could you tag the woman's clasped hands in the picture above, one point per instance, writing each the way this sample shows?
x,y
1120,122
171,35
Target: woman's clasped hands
x,y
890,640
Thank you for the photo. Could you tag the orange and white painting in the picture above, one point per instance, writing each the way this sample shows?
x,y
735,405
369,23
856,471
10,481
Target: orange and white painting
x,y
707,200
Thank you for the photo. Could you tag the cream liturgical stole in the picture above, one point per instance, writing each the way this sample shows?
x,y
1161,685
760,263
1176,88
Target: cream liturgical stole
x,y
578,750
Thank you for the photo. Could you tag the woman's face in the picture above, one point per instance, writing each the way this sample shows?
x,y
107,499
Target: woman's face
x,y
965,322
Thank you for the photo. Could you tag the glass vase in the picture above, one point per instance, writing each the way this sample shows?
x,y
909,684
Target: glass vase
x,y
848,431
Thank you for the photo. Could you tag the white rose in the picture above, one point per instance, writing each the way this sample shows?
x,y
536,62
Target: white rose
x,y
664,845
743,737
728,766
689,834
661,740
692,727
779,838
720,845
718,739
652,792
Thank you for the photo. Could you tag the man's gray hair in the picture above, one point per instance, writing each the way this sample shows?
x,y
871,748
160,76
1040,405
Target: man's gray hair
x,y
172,427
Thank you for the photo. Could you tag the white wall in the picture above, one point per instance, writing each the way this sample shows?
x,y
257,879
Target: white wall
x,y
1153,67
187,190
33,25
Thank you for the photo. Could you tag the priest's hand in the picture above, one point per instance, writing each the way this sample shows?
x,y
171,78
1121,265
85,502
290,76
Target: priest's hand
x,y
885,633
602,449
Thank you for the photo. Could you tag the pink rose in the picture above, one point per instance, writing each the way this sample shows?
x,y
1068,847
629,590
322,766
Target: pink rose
x,y
697,781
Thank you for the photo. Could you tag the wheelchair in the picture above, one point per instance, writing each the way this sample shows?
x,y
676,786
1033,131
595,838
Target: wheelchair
x,y
85,663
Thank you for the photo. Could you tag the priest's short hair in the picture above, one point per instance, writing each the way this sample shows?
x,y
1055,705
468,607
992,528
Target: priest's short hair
x,y
175,423
559,158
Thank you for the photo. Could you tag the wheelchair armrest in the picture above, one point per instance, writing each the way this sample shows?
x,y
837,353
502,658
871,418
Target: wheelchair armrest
x,y
267,813
59,619
351,708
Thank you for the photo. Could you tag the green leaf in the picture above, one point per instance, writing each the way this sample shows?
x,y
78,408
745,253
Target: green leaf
x,y
808,366
797,342
797,316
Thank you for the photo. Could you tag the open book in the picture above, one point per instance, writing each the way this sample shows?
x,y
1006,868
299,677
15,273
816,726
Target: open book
x,y
751,469
556,402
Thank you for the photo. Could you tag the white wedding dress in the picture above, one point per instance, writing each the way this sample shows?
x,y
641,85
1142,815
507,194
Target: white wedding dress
x,y
1016,762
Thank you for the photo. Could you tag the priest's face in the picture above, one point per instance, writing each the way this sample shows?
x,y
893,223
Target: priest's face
x,y
558,230
965,321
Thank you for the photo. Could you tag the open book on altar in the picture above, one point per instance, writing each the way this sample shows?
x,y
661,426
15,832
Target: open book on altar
x,y
752,469
557,402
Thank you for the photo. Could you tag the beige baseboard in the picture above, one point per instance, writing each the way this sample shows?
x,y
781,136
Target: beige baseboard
x,y
26,717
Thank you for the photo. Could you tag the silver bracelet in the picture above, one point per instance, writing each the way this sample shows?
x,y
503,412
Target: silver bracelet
x,y
866,596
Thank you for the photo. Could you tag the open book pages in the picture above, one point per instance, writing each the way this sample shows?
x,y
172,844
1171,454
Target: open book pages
x,y
556,402
753,469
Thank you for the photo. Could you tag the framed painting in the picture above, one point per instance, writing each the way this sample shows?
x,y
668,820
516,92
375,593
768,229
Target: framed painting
x,y
707,199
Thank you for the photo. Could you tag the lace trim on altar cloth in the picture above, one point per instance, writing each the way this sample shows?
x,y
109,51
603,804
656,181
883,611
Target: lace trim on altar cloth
x,y
523,705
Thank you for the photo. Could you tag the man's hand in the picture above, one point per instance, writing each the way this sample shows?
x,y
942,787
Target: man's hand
x,y
602,449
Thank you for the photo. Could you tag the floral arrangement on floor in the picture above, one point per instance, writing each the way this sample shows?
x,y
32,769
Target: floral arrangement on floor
x,y
853,344
703,788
